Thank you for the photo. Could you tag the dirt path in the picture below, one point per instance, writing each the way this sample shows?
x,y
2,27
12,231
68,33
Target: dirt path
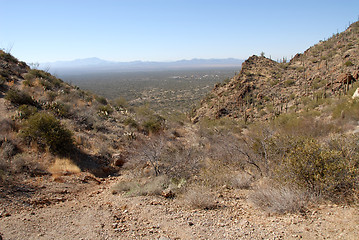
x,y
95,213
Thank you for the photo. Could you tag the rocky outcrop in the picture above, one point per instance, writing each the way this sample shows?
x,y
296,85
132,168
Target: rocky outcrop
x,y
265,88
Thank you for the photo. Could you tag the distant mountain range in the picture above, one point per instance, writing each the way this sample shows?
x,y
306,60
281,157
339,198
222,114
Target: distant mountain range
x,y
89,65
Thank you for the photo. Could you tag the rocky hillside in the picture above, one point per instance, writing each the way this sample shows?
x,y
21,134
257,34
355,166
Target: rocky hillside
x,y
50,127
265,88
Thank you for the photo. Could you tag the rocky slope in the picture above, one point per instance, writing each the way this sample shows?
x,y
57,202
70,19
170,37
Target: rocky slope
x,y
97,129
265,88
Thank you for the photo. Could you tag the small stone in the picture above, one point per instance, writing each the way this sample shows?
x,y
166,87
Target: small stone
x,y
161,238
190,223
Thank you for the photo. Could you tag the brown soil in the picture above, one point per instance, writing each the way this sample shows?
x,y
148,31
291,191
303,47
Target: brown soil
x,y
83,207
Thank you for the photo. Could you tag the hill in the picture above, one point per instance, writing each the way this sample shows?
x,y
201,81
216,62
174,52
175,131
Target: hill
x,y
264,88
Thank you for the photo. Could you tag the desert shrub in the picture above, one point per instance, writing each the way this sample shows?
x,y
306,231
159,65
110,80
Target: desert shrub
x,y
130,122
346,109
292,124
46,84
154,124
25,111
29,76
277,199
39,73
84,120
6,126
181,163
124,187
320,169
63,166
120,103
154,186
149,152
59,109
289,83
51,96
8,149
101,100
199,197
18,97
348,63
241,180
318,83
105,110
50,82
45,130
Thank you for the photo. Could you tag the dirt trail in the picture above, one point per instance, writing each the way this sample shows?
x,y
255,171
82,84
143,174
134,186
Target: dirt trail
x,y
95,213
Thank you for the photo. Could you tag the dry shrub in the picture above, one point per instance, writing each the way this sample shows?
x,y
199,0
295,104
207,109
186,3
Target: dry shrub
x,y
241,181
63,166
154,186
8,149
199,197
7,126
278,199
18,97
309,126
124,187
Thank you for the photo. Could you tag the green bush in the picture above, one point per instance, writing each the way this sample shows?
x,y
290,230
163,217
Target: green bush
x,y
289,83
45,130
39,73
346,109
348,63
324,170
25,111
101,100
130,122
59,109
105,110
120,103
18,97
153,124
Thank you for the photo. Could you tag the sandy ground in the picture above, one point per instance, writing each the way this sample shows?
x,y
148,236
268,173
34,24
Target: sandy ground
x,y
80,207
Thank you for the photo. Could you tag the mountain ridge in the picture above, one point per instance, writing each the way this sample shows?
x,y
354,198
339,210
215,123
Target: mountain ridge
x,y
99,65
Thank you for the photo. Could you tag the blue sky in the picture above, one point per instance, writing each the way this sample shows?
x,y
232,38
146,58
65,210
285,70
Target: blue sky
x,y
167,30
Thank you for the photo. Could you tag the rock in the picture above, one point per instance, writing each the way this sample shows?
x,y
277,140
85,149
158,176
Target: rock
x,y
346,78
168,193
161,238
118,160
356,94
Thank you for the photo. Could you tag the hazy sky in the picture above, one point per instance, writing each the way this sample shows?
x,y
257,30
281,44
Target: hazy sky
x,y
163,30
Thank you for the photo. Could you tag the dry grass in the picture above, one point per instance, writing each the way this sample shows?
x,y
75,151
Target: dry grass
x,y
154,186
277,199
63,166
199,197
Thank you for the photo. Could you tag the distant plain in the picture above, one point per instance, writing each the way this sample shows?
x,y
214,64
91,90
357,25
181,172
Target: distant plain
x,y
164,91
